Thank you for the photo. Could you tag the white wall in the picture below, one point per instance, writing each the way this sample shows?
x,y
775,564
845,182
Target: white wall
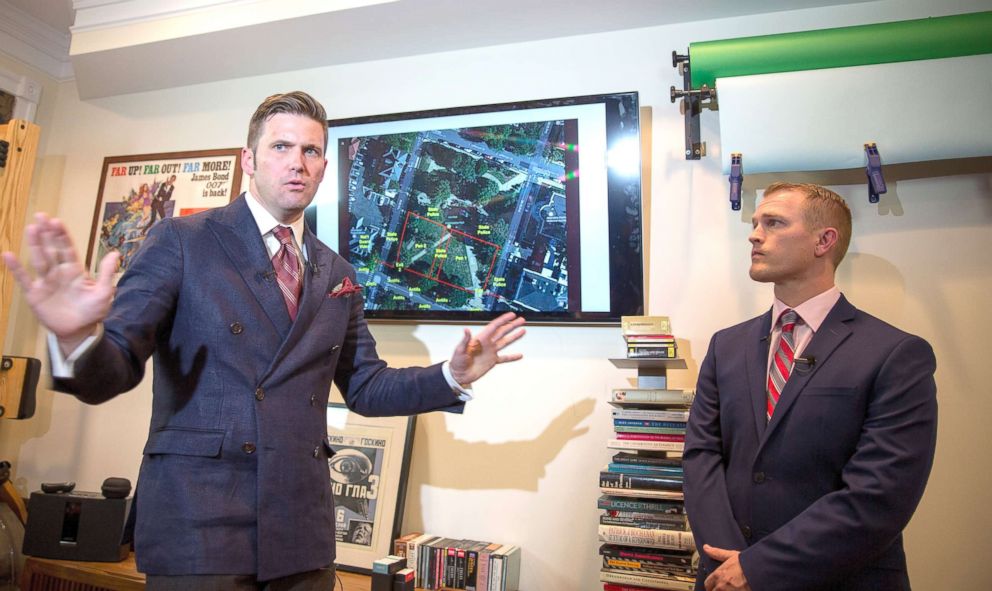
x,y
521,464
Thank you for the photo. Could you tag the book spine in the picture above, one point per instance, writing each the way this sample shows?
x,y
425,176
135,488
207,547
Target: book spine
x,y
644,567
645,522
667,396
652,538
651,352
496,573
619,480
681,416
651,436
648,430
645,493
676,558
620,504
646,470
625,458
680,425
646,445
645,581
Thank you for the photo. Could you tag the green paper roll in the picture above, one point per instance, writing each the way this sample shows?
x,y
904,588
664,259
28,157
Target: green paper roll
x,y
922,39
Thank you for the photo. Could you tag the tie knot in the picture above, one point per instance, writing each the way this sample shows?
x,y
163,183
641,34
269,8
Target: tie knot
x,y
788,320
283,234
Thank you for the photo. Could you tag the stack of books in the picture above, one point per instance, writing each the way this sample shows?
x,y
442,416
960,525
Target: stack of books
x,y
647,540
448,563
648,337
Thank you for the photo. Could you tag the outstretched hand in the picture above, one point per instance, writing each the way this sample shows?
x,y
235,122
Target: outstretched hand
x,y
475,356
65,298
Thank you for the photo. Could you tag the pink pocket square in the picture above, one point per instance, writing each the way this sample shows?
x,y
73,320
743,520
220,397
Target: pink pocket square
x,y
344,289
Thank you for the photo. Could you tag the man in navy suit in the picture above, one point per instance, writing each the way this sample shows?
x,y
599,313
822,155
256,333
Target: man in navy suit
x,y
234,490
812,433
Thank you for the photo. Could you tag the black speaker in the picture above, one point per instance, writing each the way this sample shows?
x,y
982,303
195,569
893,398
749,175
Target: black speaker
x,y
77,526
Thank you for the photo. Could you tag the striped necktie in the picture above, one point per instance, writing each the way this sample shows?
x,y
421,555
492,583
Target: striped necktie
x,y
785,354
286,263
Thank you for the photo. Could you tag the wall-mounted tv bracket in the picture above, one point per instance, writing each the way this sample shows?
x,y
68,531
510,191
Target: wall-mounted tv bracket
x,y
876,182
691,105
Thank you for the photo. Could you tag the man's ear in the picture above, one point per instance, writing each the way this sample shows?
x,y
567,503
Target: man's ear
x,y
248,161
825,241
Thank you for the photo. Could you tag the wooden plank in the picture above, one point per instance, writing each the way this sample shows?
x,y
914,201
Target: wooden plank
x,y
15,187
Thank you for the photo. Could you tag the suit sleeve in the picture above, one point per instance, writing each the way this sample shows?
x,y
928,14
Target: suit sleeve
x,y
371,389
706,499
881,484
142,307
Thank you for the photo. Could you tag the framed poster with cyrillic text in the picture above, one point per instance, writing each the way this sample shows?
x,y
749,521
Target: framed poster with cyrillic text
x,y
369,471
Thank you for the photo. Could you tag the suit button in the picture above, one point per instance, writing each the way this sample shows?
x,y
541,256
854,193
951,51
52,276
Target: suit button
x,y
248,447
259,394
759,477
316,452
335,348
313,400
236,328
746,530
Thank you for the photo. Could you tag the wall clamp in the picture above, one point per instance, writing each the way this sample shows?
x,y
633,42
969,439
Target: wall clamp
x,y
691,106
876,183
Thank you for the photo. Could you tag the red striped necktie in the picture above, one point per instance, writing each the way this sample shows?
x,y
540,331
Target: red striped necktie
x,y
286,263
782,363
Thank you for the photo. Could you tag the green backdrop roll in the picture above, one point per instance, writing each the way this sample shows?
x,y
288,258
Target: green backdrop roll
x,y
928,38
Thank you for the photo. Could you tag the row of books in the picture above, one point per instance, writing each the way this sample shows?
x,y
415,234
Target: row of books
x,y
648,337
650,419
450,563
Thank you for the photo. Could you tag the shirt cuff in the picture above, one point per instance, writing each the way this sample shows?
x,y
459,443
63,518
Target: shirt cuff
x,y
64,367
463,394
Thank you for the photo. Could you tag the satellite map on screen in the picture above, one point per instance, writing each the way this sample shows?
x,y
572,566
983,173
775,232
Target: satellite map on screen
x,y
464,219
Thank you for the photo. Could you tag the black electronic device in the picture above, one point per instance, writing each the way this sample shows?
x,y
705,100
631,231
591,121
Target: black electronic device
x,y
77,525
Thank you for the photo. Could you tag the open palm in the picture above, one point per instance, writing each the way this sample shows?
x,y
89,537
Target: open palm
x,y
64,297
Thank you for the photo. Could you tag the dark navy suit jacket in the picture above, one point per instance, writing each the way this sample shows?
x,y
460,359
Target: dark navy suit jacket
x,y
818,497
234,478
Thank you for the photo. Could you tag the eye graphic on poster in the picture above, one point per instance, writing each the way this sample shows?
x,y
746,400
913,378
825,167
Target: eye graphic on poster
x,y
368,473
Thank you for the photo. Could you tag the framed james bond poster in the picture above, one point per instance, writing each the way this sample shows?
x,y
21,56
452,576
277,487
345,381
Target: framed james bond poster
x,y
138,191
369,471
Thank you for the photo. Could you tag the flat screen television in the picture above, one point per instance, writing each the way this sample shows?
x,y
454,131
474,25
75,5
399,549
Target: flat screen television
x,y
461,214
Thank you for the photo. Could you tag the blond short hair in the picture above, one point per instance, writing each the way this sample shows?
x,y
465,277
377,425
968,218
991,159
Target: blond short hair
x,y
822,208
293,103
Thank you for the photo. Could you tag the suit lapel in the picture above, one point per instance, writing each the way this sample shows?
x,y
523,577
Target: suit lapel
x,y
757,369
237,235
317,277
832,333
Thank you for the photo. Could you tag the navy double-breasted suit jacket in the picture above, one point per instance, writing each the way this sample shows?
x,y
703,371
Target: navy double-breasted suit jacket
x,y
234,478
816,498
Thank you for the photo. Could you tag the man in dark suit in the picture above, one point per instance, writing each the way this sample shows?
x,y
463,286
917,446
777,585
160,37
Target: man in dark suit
x,y
249,318
163,194
812,433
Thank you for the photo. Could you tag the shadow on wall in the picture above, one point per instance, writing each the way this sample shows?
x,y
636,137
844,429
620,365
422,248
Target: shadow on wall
x,y
517,465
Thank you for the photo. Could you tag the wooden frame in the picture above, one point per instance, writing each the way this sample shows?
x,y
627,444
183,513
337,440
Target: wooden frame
x,y
134,194
369,473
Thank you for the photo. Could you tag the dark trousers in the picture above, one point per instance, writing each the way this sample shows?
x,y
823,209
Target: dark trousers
x,y
315,580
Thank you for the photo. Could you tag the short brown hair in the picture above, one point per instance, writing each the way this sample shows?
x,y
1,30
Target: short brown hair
x,y
293,103
822,208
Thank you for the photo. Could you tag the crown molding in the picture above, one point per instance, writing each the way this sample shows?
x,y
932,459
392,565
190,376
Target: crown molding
x,y
33,42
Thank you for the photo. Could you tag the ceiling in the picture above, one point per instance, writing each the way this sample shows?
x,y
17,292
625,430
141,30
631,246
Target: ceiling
x,y
113,40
